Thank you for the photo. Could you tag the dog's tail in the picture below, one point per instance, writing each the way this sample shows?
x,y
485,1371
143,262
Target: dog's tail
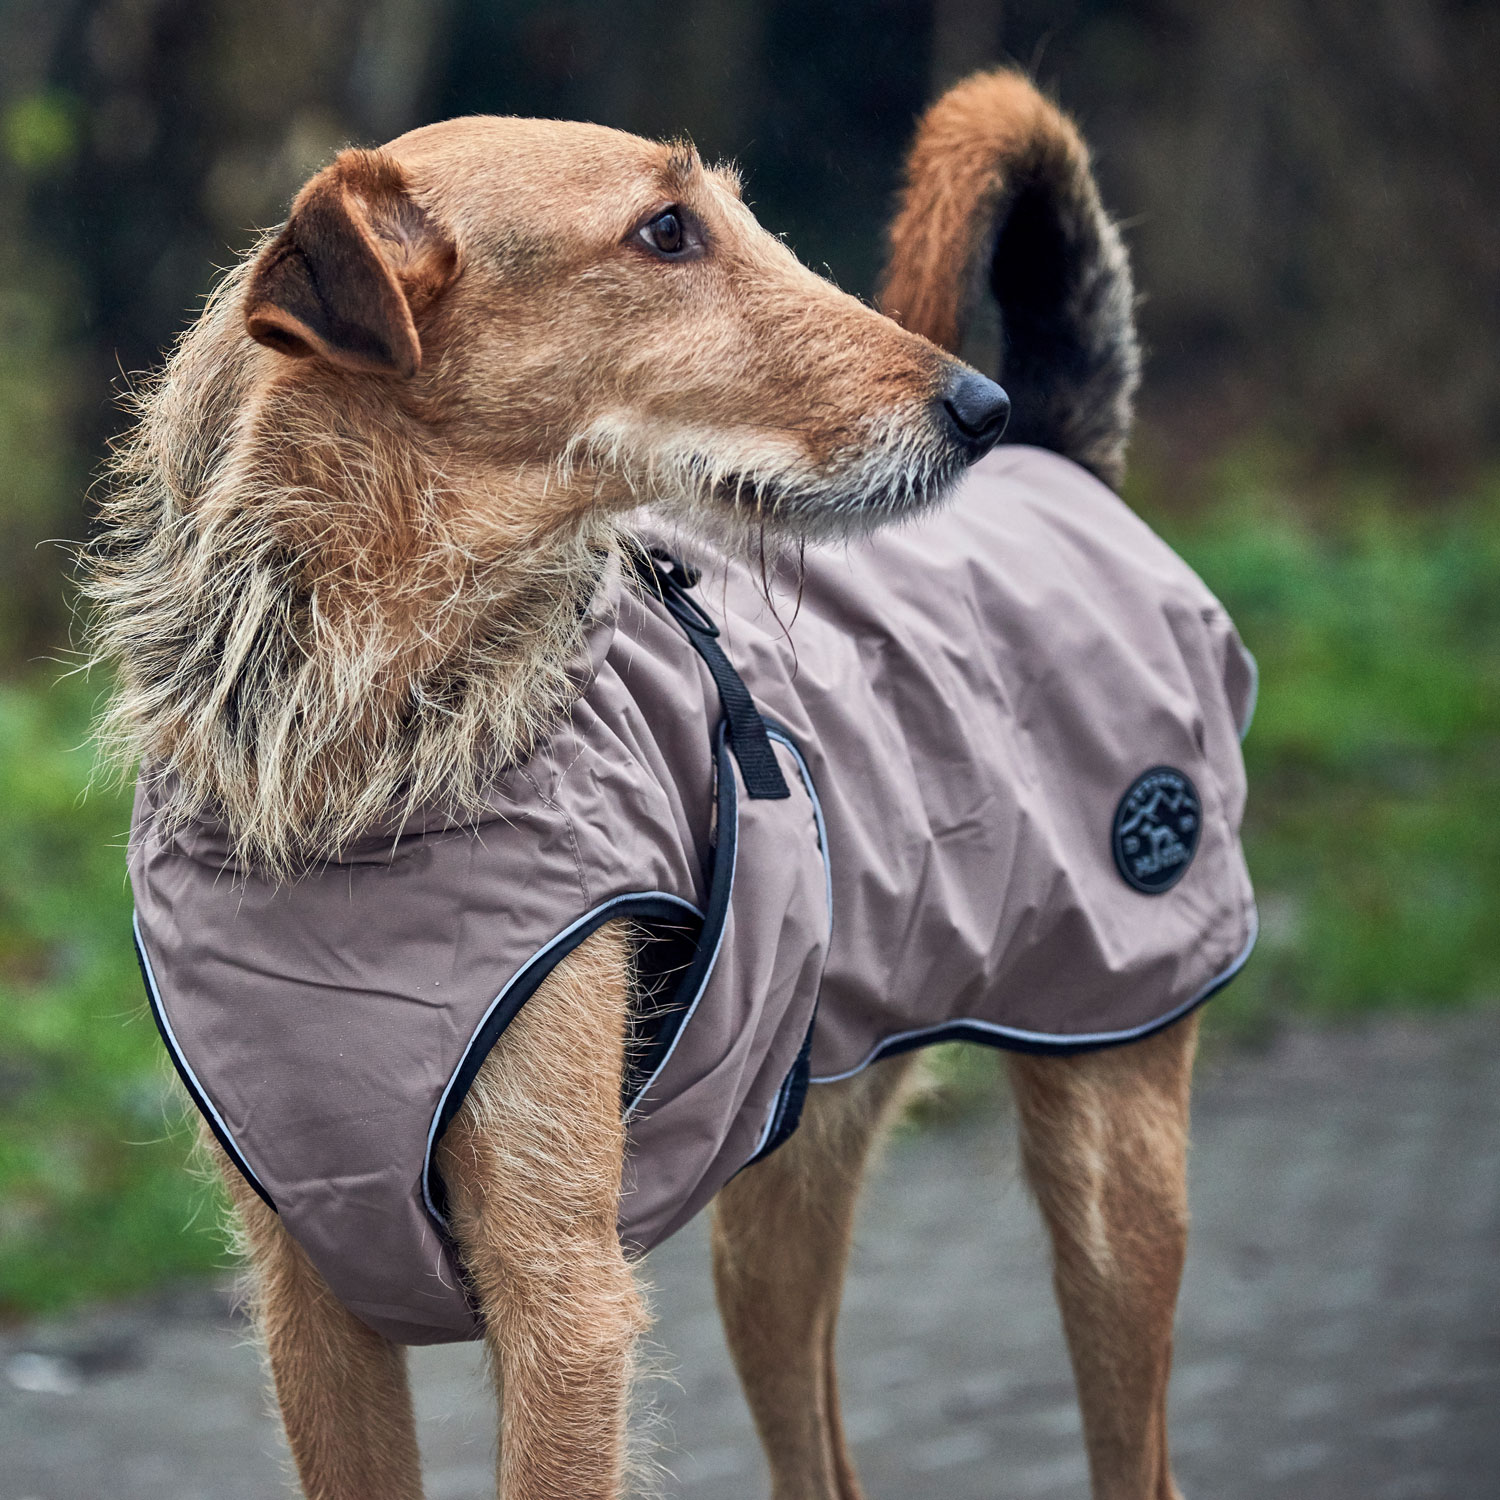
x,y
999,195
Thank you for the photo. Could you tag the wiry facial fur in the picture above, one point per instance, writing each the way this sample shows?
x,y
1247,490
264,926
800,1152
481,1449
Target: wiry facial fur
x,y
739,493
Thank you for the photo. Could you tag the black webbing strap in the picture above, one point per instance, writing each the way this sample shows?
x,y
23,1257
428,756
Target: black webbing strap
x,y
670,579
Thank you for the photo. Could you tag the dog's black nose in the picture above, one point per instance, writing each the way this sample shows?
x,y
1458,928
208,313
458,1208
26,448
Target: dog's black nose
x,y
978,410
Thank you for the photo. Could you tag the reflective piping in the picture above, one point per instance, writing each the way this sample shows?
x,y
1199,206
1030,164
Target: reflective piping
x,y
777,733
989,1034
1254,696
772,1115
778,1104
687,1015
726,768
590,916
179,1059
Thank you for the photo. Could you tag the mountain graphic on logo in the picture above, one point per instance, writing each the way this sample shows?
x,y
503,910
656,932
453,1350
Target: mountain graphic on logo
x,y
1156,830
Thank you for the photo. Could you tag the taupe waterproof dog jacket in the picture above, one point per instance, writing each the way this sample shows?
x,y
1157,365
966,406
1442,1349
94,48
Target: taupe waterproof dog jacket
x,y
998,799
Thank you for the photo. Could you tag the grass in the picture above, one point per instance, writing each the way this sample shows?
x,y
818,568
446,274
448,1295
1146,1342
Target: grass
x,y
1373,836
1374,759
93,1197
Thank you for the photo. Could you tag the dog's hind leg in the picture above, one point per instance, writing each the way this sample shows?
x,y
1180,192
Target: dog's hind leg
x,y
781,1234
341,1387
532,1164
1104,1141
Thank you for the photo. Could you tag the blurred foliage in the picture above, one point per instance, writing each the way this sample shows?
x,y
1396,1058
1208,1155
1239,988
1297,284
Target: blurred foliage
x,y
93,1196
1374,759
40,132
41,473
1375,771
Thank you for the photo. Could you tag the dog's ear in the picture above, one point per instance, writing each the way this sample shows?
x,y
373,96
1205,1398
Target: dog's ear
x,y
357,258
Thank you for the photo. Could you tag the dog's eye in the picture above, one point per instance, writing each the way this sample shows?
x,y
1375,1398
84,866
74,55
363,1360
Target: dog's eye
x,y
665,233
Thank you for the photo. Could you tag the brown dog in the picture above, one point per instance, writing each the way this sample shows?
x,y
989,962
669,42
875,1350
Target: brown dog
x,y
344,570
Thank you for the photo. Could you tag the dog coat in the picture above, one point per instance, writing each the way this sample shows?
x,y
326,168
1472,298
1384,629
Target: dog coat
x,y
982,782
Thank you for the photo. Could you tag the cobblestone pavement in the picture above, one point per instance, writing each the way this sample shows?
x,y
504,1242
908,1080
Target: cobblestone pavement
x,y
1339,1333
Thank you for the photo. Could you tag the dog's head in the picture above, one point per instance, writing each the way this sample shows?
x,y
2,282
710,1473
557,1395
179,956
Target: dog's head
x,y
577,318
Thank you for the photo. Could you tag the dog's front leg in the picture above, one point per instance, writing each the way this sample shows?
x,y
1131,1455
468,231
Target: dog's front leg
x,y
1104,1141
341,1387
533,1164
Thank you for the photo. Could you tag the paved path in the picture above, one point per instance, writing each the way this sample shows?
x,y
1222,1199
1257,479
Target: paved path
x,y
1339,1334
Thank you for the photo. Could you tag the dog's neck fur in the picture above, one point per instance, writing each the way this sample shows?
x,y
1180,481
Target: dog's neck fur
x,y
310,643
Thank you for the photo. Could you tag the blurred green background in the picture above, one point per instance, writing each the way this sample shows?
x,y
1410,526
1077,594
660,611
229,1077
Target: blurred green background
x,y
1311,193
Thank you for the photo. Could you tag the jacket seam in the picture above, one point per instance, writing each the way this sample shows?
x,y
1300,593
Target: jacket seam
x,y
552,805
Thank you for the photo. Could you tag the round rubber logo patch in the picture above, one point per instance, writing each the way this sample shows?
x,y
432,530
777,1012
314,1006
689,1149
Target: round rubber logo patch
x,y
1156,830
